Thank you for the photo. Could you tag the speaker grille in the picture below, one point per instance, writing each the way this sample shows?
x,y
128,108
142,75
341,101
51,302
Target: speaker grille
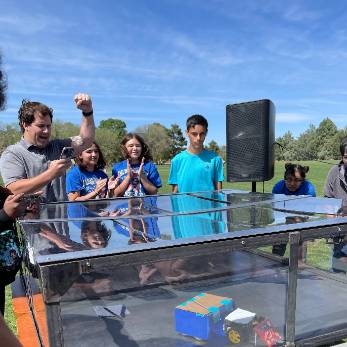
x,y
250,138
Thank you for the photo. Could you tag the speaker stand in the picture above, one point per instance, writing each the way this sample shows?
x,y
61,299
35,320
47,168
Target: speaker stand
x,y
254,187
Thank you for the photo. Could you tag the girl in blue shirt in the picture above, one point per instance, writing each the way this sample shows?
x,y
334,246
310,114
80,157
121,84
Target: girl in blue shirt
x,y
137,174
294,182
87,180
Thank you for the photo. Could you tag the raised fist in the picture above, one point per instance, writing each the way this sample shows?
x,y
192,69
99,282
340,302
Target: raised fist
x,y
83,102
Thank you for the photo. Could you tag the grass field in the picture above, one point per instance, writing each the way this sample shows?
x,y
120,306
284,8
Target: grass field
x,y
317,175
318,252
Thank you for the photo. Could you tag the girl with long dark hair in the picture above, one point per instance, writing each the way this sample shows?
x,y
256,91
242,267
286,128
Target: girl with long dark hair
x,y
137,174
87,179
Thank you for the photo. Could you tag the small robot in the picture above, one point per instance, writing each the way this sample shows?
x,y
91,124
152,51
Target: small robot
x,y
244,327
238,326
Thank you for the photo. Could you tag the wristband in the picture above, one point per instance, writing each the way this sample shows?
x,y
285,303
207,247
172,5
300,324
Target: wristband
x,y
87,114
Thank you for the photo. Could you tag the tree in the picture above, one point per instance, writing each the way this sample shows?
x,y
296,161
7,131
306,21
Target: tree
x,y
223,152
213,146
63,130
306,148
325,139
156,137
109,136
116,125
9,134
326,129
109,144
286,148
177,141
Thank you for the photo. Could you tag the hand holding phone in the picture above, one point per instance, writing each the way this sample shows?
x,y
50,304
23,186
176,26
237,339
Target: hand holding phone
x,y
14,205
32,198
58,167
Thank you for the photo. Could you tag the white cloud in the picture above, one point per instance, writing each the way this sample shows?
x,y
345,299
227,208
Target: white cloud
x,y
32,24
208,51
292,117
298,13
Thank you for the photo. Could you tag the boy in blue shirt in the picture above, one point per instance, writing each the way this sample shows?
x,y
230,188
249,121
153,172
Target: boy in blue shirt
x,y
196,169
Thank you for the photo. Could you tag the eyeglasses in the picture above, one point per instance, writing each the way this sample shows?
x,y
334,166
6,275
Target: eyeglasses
x,y
344,157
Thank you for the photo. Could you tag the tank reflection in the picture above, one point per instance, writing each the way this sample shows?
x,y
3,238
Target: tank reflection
x,y
339,251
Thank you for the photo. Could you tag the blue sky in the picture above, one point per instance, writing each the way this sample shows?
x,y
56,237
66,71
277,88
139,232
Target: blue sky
x,y
150,61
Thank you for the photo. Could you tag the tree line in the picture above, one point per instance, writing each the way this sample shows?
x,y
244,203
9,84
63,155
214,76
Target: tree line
x,y
316,143
164,142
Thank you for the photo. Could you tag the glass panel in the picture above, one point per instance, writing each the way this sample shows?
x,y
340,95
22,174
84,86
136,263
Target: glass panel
x,y
190,300
179,302
121,234
322,287
146,302
239,197
111,208
311,205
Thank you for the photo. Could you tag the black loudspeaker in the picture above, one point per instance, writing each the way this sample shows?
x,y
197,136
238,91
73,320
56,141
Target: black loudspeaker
x,y
250,141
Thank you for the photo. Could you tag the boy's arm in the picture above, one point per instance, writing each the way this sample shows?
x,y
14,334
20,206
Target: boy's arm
x,y
173,177
219,174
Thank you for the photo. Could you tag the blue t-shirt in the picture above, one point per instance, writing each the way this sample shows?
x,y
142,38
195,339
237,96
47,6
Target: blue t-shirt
x,y
195,225
148,225
79,180
305,188
135,187
196,172
78,210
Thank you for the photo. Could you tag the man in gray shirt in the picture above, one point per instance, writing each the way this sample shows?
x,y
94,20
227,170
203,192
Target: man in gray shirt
x,y
336,183
336,187
34,163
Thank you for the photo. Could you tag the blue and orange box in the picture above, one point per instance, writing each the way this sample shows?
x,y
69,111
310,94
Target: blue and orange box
x,y
202,315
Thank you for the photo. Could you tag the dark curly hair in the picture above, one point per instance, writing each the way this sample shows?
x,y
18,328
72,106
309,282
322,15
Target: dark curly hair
x,y
145,152
101,164
290,170
3,87
101,229
26,113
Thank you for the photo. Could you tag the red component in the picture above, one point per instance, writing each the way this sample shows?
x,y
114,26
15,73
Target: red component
x,y
268,334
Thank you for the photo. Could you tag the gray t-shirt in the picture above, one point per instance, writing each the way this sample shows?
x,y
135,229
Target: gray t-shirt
x,y
335,184
23,160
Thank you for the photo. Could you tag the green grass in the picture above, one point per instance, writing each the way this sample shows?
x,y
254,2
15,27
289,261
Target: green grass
x,y
318,253
9,316
317,175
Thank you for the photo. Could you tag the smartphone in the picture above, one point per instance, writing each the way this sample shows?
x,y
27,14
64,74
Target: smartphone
x,y
31,198
67,153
